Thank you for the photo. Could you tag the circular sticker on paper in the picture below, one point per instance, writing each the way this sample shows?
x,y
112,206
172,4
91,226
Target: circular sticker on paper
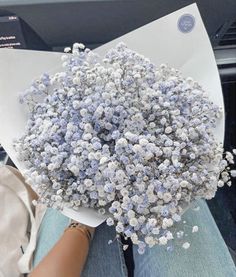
x,y
186,23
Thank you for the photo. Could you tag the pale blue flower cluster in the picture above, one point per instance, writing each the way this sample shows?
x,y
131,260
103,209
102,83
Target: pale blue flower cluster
x,y
125,137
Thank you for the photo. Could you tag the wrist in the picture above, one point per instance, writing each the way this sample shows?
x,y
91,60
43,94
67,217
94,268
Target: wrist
x,y
87,229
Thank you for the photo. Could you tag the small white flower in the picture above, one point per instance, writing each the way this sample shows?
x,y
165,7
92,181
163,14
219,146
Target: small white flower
x,y
167,197
150,241
155,231
78,45
103,160
143,142
233,173
134,238
59,191
186,245
220,183
122,141
195,229
133,222
67,50
168,130
131,214
180,234
169,235
34,202
110,221
183,184
119,227
88,182
125,247
76,104
163,240
229,183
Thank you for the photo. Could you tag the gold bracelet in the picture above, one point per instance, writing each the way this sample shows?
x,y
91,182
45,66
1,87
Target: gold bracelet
x,y
81,228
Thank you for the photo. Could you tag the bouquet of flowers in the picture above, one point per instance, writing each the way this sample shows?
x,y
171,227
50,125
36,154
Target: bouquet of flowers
x,y
123,136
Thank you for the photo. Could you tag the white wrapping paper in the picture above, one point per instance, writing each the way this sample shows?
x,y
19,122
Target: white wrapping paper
x,y
178,39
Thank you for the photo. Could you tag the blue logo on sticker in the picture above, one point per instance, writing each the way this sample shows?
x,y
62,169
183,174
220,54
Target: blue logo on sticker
x,y
186,23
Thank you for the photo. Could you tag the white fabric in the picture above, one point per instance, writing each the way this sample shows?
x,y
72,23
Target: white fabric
x,y
18,224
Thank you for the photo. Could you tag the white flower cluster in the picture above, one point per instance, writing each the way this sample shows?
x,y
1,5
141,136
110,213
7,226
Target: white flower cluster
x,y
125,137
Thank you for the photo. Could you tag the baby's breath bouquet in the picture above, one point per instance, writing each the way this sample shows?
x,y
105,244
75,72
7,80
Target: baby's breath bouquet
x,y
123,136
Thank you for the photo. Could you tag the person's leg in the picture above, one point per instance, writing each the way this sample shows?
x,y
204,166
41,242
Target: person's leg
x,y
208,255
51,229
103,259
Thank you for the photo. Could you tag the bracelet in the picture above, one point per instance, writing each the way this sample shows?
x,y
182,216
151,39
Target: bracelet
x,y
81,228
